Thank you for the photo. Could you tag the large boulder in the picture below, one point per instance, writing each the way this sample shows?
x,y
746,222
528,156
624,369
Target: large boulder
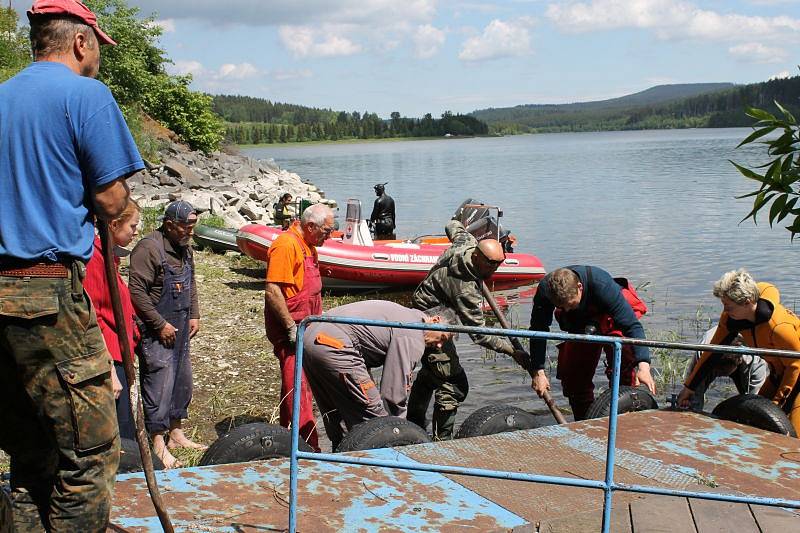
x,y
186,175
232,218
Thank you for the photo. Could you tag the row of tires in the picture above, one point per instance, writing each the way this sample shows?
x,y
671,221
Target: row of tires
x,y
260,441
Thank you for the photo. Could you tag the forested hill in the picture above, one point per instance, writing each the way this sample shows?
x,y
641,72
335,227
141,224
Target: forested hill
x,y
249,109
251,120
665,106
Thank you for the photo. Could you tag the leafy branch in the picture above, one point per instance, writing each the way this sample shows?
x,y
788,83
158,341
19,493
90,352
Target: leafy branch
x,y
778,177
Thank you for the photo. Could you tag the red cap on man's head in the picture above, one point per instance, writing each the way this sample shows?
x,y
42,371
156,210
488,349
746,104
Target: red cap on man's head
x,y
72,8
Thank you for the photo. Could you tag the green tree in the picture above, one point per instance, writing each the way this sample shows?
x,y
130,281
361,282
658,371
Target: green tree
x,y
778,177
135,72
15,47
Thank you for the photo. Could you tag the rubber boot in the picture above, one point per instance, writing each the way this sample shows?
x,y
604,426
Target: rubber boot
x,y
444,421
580,406
419,399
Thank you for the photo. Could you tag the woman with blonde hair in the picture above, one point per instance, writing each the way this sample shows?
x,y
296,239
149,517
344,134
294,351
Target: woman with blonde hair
x,y
123,230
763,323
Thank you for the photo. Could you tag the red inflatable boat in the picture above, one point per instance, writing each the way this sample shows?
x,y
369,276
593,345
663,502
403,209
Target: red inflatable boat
x,y
385,263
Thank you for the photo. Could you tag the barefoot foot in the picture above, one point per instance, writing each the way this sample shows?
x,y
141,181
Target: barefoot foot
x,y
178,439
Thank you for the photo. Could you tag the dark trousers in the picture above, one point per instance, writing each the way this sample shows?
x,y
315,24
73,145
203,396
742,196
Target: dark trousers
x,y
166,376
127,428
577,363
57,419
441,374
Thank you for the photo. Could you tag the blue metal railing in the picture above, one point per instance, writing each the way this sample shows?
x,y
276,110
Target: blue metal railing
x,y
607,485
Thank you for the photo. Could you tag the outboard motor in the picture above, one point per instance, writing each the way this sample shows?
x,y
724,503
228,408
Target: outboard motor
x,y
356,230
479,219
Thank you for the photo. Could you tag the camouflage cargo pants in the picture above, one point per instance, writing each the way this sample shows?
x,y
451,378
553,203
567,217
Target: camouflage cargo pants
x,y
57,418
442,377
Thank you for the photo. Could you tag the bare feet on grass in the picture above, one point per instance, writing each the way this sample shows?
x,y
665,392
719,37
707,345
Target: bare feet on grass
x,y
161,450
178,439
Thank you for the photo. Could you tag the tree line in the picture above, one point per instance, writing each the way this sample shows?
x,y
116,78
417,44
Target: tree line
x,y
255,121
726,108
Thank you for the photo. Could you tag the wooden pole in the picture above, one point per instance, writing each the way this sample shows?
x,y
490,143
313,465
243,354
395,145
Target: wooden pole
x,y
127,359
557,414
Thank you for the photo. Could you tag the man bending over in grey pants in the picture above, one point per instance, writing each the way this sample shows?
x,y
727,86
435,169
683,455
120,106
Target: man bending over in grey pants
x,y
337,359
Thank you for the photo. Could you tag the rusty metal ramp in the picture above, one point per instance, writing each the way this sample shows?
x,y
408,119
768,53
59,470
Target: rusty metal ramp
x,y
331,497
677,450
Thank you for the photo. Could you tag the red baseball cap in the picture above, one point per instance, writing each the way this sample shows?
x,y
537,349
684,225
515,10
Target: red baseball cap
x,y
72,8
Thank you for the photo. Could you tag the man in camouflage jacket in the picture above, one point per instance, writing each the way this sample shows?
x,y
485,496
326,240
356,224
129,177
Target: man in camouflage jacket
x,y
455,282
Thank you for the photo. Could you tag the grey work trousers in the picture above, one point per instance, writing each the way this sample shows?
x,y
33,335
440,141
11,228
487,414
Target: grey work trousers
x,y
342,387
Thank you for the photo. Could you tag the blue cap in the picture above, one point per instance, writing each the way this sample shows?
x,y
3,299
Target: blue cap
x,y
179,211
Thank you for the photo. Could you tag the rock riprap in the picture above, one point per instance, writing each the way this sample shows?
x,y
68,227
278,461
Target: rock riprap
x,y
237,188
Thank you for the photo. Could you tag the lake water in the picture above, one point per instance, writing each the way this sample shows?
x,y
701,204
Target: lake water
x,y
657,207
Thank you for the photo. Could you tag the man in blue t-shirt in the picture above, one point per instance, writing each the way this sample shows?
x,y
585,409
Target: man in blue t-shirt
x,y
65,152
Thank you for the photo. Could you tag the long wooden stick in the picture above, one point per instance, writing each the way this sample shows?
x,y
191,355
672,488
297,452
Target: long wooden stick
x,y
130,373
518,346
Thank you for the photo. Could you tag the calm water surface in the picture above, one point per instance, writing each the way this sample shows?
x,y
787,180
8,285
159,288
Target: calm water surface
x,y
657,207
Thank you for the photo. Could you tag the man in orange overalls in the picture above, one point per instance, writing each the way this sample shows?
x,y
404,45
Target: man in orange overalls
x,y
294,291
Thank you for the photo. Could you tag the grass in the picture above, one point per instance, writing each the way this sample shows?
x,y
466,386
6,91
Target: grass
x,y
146,137
151,219
214,221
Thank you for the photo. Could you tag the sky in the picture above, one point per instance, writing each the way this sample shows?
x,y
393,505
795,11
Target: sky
x,y
431,56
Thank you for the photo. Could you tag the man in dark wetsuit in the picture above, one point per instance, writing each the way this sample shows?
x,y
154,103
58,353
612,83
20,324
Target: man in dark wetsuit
x,y
164,294
587,299
65,152
382,218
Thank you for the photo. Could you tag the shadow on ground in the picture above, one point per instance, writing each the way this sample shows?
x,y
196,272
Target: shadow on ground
x,y
228,423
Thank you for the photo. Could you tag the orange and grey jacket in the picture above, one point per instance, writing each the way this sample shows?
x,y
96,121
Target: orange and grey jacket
x,y
775,327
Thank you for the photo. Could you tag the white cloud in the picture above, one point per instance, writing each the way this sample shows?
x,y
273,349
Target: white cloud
x,y
183,68
772,2
167,25
237,72
427,41
297,12
499,39
228,71
670,19
758,53
306,41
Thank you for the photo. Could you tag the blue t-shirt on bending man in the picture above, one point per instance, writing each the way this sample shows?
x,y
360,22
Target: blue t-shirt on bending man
x,y
61,136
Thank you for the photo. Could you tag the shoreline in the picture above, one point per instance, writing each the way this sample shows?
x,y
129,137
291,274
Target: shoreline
x,y
363,141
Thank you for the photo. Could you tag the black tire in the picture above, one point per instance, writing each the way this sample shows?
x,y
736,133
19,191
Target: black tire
x,y
494,419
631,399
130,460
251,442
757,411
382,432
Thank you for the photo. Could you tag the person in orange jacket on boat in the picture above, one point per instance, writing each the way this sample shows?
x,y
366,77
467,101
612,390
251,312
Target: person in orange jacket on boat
x,y
124,229
293,292
762,323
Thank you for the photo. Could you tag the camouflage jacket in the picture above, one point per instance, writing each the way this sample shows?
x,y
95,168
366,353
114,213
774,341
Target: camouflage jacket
x,y
454,282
